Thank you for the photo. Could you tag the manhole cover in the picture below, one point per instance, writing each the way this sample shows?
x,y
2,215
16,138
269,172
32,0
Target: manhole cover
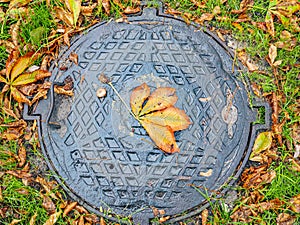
x,y
105,159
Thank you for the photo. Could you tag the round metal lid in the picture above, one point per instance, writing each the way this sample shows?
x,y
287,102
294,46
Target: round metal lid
x,y
105,159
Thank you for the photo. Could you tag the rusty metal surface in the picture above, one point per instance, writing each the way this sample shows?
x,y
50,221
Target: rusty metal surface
x,y
105,159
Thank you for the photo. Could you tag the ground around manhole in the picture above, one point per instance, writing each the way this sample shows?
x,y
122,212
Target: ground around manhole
x,y
264,36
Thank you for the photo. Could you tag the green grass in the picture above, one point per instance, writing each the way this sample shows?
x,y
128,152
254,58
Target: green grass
x,y
36,28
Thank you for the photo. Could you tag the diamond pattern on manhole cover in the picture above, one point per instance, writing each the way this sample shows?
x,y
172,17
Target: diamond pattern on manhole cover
x,y
104,157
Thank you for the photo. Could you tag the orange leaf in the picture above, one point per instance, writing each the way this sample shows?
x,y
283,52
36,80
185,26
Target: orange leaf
x,y
106,6
10,62
32,77
2,79
21,64
131,10
138,96
172,117
161,98
163,136
18,96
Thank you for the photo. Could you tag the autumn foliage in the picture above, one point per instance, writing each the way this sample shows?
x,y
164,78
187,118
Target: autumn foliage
x,y
157,114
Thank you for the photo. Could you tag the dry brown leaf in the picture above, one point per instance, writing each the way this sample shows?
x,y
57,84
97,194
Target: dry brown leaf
x,y
164,219
106,5
22,156
61,91
81,220
53,218
204,216
204,17
256,177
272,53
73,57
102,221
81,209
285,219
18,3
48,204
12,133
244,5
295,203
19,174
69,208
132,10
64,15
48,187
88,10
1,195
33,219
118,3
41,92
14,221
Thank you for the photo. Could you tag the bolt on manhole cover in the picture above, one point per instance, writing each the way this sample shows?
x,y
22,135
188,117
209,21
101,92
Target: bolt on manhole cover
x,y
104,158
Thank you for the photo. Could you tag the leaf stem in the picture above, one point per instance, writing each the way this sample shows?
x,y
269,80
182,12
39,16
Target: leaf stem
x,y
127,107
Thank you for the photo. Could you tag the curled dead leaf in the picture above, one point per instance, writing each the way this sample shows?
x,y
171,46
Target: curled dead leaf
x,y
106,5
48,205
295,203
272,53
61,91
22,156
285,219
74,57
204,216
69,208
132,10
53,218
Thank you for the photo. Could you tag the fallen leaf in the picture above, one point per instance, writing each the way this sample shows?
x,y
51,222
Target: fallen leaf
x,y
18,3
244,5
102,221
163,136
132,10
69,208
22,156
106,5
158,115
262,143
15,32
19,97
81,220
256,177
1,195
272,53
28,78
64,15
74,57
20,65
74,7
53,218
171,116
138,97
295,203
161,98
14,221
61,91
19,174
204,216
33,219
285,219
164,219
48,204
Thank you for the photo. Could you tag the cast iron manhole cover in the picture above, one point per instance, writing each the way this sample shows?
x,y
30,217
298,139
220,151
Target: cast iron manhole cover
x,y
105,159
